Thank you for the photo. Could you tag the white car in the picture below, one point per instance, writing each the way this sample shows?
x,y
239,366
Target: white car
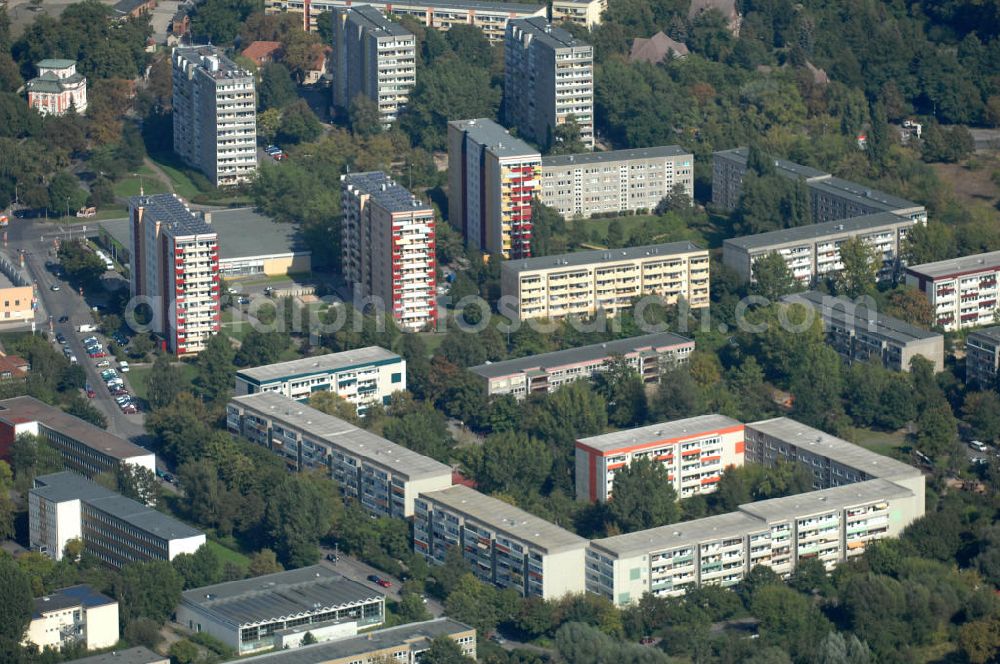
x,y
978,445
123,366
72,359
103,364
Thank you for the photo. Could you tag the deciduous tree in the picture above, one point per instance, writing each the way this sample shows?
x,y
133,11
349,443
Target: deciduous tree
x,y
643,496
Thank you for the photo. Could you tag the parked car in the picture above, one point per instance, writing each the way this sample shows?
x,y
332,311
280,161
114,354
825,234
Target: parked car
x,y
90,391
61,338
64,319
73,360
103,363
332,557
374,578
978,445
54,287
123,366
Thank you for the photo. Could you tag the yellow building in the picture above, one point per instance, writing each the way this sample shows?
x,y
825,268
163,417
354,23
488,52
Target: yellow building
x,y
584,12
580,283
16,302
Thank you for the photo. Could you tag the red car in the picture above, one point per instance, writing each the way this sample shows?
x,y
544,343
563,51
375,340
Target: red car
x,y
384,583
90,392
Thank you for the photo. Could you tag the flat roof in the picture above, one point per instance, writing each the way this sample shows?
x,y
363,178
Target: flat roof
x,y
67,485
685,533
226,67
583,158
952,266
306,366
505,518
600,256
175,217
385,191
825,500
20,410
813,232
507,8
137,655
320,426
381,639
65,598
263,599
375,21
991,333
782,166
863,194
686,428
551,35
836,449
593,352
861,317
494,137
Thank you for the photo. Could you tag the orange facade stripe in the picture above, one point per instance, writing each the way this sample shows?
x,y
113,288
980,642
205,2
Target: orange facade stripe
x,y
739,428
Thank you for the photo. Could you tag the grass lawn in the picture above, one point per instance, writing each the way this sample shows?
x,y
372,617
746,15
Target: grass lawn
x,y
130,186
886,443
139,378
108,212
227,555
433,340
183,186
598,228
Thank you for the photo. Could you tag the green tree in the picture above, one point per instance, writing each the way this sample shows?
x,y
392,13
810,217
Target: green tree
x,y
201,568
300,511
277,89
65,194
148,590
861,264
219,21
168,384
81,264
513,463
566,139
215,372
332,403
623,390
299,124
17,606
473,603
929,242
264,562
982,411
138,483
772,277
788,619
183,651
444,649
363,117
677,396
643,497
259,348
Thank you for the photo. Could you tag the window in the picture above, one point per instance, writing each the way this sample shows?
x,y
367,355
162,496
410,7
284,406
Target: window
x,y
634,574
397,377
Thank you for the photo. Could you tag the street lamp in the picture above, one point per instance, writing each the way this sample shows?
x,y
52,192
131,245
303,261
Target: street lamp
x,y
67,206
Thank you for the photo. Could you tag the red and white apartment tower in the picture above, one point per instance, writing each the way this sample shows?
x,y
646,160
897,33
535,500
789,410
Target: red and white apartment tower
x,y
389,247
175,264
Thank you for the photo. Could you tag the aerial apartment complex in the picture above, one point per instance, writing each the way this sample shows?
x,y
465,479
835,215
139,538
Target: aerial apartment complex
x,y
582,12
383,476
812,252
389,248
583,185
215,115
403,643
85,448
492,178
860,497
71,616
585,282
490,17
982,357
861,333
694,451
362,376
117,530
502,544
58,88
373,57
251,615
548,79
962,291
650,355
831,198
175,268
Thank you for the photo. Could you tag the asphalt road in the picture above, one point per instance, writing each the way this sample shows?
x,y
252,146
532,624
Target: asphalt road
x,y
34,239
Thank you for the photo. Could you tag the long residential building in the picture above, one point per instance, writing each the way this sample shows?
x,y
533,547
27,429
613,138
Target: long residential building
x,y
402,644
256,614
492,179
650,355
812,252
831,198
85,448
982,357
362,376
586,282
859,332
383,476
502,544
860,497
962,291
215,115
389,248
582,12
136,655
117,530
615,182
175,270
490,17
373,57
694,451
548,80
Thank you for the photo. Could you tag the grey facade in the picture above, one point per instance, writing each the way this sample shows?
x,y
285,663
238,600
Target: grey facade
x,y
215,115
548,78
982,357
582,185
373,57
831,198
812,252
862,334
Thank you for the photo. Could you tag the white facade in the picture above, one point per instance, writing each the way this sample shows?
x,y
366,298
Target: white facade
x,y
74,615
695,451
963,291
582,12
215,115
51,524
361,376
